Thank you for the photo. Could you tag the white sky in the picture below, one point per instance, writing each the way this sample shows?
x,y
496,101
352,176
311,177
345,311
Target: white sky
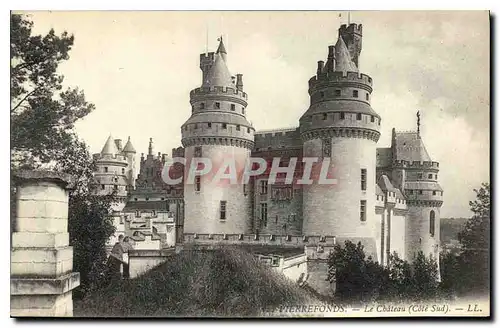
x,y
138,69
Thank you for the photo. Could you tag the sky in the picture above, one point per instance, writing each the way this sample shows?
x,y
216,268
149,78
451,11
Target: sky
x,y
138,69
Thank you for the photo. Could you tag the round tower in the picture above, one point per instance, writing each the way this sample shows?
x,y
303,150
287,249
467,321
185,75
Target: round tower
x,y
217,130
424,199
341,124
111,173
130,152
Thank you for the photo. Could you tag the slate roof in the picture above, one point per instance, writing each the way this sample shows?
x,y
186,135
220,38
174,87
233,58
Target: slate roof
x,y
423,185
109,147
343,61
410,147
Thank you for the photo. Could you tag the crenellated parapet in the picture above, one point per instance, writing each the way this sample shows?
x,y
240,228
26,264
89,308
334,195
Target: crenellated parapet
x,y
259,239
341,79
116,159
416,165
218,92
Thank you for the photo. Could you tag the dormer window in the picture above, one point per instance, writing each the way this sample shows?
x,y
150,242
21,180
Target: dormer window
x,y
355,93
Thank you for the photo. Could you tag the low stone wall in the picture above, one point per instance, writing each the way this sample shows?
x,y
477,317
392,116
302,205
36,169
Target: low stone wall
x,y
42,280
142,260
267,239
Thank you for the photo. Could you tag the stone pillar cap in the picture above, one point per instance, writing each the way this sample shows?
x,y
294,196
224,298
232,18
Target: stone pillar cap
x,y
63,179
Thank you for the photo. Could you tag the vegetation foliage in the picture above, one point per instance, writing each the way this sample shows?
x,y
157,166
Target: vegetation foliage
x,y
43,113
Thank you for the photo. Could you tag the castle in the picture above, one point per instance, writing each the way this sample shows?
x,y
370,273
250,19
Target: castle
x,y
387,198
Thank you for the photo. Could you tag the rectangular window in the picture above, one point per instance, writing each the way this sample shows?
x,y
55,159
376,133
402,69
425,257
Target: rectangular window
x,y
223,209
196,126
342,116
430,176
263,214
372,119
245,189
106,169
233,107
237,128
363,179
367,96
123,171
217,105
103,187
197,151
337,93
263,187
362,211
420,176
358,116
224,125
197,182
355,93
420,192
243,110
209,125
116,187
248,130
434,192
202,106
324,116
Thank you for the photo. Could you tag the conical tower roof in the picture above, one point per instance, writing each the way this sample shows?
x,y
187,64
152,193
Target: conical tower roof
x,y
221,49
109,147
343,61
218,75
129,148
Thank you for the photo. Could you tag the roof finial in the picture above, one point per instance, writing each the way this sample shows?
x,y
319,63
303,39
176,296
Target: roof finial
x,y
418,124
221,50
150,148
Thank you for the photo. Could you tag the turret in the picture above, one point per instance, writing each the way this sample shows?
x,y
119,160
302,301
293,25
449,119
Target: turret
x,y
352,36
111,173
129,152
217,127
341,125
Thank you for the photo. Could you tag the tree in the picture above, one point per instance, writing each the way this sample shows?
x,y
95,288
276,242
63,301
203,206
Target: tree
x,y
359,279
475,241
42,135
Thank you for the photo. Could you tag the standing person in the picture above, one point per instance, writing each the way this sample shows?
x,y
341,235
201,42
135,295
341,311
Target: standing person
x,y
126,245
115,260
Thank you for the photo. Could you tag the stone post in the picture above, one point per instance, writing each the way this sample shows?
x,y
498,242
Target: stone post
x,y
41,278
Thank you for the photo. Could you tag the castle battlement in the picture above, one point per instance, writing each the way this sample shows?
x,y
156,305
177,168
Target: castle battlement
x,y
259,239
416,164
340,77
351,28
111,158
203,91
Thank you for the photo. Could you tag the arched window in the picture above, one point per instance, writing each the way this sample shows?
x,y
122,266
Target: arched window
x,y
432,223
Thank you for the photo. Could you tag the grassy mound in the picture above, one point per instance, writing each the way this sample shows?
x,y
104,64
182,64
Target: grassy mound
x,y
224,282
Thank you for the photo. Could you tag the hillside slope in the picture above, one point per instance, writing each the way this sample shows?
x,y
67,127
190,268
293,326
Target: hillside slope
x,y
226,282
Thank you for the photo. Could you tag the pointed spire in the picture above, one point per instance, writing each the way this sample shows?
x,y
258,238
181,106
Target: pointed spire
x,y
109,147
418,124
129,148
343,61
150,148
221,50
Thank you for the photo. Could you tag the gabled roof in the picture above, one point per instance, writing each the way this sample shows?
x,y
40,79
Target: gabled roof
x,y
109,147
343,61
218,75
410,147
129,148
